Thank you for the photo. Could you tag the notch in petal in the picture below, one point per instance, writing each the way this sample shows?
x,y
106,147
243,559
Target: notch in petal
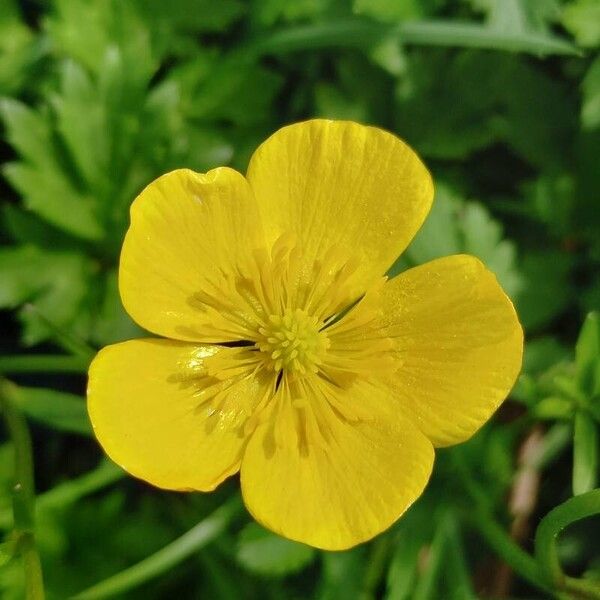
x,y
189,235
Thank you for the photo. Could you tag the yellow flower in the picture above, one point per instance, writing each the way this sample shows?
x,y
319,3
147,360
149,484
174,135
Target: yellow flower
x,y
289,356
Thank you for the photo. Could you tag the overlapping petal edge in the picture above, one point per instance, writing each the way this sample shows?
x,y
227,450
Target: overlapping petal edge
x,y
420,361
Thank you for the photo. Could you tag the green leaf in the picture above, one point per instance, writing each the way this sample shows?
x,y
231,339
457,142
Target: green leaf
x,y
587,356
55,283
551,198
266,553
214,94
590,107
40,177
457,580
520,14
87,140
513,25
403,569
59,410
52,197
483,237
446,575
192,15
585,454
454,226
26,228
268,12
543,353
390,10
470,35
85,30
111,322
330,102
19,49
546,289
364,33
506,97
582,19
553,407
440,235
342,574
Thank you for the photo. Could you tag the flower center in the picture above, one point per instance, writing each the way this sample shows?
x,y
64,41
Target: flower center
x,y
293,342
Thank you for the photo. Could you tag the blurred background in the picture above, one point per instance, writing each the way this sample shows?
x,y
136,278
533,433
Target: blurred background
x,y
502,100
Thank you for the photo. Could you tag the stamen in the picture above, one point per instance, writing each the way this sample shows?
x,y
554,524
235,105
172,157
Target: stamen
x,y
292,341
302,318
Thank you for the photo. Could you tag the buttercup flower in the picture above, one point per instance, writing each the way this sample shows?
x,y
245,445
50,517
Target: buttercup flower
x,y
285,353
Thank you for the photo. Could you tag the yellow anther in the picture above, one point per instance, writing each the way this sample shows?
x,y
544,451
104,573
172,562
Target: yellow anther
x,y
293,342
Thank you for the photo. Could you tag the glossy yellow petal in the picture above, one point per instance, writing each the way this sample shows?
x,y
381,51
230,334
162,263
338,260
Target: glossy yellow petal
x,y
189,234
339,185
459,343
159,414
328,471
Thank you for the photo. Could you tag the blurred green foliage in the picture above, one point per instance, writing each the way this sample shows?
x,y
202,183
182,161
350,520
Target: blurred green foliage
x,y
500,97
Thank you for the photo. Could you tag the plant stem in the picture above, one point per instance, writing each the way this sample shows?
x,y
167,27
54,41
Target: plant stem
x,y
501,542
574,509
199,536
495,535
378,559
34,363
582,588
426,584
23,495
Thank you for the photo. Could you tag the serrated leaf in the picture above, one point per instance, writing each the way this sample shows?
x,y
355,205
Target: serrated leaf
x,y
84,30
454,226
483,237
216,95
40,178
19,49
553,407
26,228
55,283
506,97
86,139
546,291
59,410
50,195
585,454
582,19
28,131
266,553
